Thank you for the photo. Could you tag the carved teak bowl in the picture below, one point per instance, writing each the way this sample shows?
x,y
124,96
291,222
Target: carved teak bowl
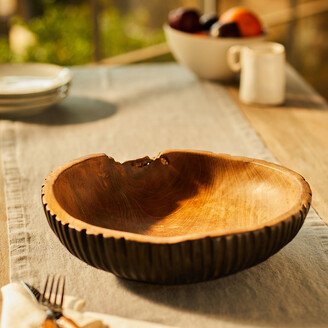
x,y
182,217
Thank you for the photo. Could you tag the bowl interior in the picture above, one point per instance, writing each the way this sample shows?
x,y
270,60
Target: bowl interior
x,y
177,193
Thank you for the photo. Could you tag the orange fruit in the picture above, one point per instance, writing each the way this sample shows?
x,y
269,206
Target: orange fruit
x,y
201,34
248,22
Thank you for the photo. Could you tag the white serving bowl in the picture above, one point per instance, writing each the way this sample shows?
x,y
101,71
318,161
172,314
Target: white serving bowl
x,y
205,56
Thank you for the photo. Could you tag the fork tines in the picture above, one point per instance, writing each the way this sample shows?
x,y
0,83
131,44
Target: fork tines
x,y
48,296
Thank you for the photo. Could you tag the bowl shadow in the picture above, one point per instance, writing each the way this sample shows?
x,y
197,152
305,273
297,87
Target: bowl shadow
x,y
248,297
73,110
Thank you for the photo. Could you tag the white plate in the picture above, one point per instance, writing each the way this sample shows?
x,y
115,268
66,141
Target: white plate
x,y
32,107
28,79
29,108
17,101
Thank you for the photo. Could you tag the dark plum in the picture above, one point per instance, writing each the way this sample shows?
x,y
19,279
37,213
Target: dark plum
x,y
227,30
207,20
185,19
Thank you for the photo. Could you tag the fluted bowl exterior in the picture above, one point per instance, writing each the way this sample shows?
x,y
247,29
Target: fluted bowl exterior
x,y
183,262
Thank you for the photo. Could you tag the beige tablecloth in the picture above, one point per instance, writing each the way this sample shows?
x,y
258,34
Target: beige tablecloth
x,y
129,113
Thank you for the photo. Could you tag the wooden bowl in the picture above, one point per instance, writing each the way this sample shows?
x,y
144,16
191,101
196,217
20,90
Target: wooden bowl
x,y
182,217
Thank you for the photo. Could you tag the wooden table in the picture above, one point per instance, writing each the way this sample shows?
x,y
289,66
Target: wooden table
x,y
296,134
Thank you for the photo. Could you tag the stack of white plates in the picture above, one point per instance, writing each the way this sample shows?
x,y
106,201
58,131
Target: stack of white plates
x,y
26,88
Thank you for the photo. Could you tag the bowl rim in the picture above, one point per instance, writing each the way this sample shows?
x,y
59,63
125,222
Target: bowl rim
x,y
51,204
235,40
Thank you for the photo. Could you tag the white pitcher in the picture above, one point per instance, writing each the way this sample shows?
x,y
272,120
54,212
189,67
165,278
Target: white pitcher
x,y
262,78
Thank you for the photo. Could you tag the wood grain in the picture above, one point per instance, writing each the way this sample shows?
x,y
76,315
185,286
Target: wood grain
x,y
179,204
176,194
297,137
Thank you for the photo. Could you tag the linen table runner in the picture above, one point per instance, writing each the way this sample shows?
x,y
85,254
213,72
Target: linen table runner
x,y
129,113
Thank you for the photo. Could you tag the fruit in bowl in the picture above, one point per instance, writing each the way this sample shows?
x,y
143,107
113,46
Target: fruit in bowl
x,y
207,20
235,22
248,23
203,48
227,30
185,19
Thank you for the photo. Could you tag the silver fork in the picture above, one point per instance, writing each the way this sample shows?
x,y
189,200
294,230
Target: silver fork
x,y
54,303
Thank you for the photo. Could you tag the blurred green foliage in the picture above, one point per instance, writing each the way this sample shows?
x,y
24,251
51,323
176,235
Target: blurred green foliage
x,y
64,35
129,32
6,55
